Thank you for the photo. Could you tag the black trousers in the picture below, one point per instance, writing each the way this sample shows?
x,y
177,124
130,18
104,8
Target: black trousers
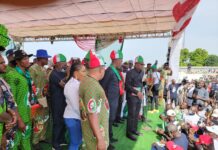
x,y
58,128
112,116
119,108
134,105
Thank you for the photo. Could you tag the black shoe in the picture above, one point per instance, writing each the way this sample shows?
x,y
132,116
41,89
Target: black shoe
x,y
111,147
136,133
123,120
115,124
36,147
45,141
113,140
119,121
131,137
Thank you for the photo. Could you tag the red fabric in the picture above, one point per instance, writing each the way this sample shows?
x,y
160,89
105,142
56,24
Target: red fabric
x,y
183,27
182,13
85,44
94,61
121,84
34,88
180,9
113,55
195,128
172,146
120,40
205,139
34,109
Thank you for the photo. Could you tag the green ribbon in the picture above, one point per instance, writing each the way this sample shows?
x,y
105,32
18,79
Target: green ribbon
x,y
116,72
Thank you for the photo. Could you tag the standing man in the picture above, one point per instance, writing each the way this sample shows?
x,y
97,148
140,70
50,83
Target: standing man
x,y
94,106
134,87
111,84
173,87
21,85
130,65
39,76
201,94
165,72
11,63
8,112
10,57
57,81
155,89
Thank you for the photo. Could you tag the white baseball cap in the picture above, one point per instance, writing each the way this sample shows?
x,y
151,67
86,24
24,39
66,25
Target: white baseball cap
x,y
171,113
212,129
215,113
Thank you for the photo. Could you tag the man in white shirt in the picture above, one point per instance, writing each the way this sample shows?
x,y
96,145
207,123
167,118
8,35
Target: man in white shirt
x,y
192,118
155,89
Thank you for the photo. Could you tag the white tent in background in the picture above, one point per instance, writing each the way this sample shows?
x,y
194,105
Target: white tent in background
x,y
52,19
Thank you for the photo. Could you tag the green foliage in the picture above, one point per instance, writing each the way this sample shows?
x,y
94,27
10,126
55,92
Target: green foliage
x,y
199,57
212,60
184,57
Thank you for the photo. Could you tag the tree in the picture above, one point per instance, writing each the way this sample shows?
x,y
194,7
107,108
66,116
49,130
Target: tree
x,y
184,57
212,60
198,57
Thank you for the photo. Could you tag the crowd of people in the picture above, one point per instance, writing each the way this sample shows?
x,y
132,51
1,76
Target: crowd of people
x,y
85,99
190,116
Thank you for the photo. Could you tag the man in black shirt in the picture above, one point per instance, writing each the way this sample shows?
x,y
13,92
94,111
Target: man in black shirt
x,y
134,96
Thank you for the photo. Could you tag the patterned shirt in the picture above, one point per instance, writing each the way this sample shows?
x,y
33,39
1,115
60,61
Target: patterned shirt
x,y
93,100
149,78
6,101
39,77
164,74
20,89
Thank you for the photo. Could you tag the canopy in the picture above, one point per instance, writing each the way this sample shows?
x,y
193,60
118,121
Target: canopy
x,y
86,17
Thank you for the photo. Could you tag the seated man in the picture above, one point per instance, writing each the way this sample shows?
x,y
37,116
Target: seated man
x,y
192,117
177,138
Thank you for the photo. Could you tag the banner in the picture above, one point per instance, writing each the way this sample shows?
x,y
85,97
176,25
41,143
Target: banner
x,y
176,46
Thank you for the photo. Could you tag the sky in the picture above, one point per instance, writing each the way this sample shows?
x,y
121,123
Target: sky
x,y
202,32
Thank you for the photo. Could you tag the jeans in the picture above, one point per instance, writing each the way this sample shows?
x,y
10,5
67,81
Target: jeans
x,y
75,131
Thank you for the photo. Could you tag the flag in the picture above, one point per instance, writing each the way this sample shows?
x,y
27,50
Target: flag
x,y
182,13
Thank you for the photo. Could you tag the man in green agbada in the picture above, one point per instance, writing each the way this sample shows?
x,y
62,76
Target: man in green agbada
x,y
21,86
94,106
39,77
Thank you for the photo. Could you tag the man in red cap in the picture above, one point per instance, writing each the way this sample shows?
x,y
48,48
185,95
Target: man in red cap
x,y
110,84
94,108
57,81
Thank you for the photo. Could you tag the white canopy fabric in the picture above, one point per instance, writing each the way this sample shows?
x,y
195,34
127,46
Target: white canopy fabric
x,y
88,17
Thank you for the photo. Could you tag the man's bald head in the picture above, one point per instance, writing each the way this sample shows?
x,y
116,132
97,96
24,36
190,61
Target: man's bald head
x,y
98,72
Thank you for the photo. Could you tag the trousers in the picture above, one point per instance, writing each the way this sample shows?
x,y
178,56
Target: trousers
x,y
75,131
134,105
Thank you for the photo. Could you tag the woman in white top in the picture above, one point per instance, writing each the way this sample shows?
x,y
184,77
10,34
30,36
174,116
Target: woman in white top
x,y
72,111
